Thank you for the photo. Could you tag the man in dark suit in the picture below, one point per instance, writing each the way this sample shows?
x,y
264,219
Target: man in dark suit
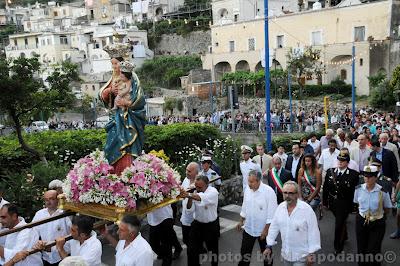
x,y
278,176
293,162
338,195
388,159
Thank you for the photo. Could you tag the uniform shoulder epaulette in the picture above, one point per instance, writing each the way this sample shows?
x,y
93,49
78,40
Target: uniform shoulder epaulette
x,y
253,161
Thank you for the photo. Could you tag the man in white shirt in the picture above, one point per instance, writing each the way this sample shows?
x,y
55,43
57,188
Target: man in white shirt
x,y
281,154
206,163
204,204
247,164
52,230
295,220
328,157
162,235
17,245
84,243
259,205
263,160
314,143
132,249
192,171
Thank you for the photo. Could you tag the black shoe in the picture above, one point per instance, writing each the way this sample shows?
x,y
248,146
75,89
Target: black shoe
x,y
177,254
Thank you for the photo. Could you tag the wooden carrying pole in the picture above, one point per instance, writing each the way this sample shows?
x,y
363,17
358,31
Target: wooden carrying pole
x,y
68,237
43,221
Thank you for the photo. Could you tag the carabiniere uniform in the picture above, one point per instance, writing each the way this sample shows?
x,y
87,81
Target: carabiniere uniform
x,y
338,193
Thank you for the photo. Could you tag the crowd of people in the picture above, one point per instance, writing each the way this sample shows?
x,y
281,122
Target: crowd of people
x,y
344,172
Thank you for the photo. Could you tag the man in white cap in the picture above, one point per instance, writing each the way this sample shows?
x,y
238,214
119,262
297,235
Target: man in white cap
x,y
247,165
206,163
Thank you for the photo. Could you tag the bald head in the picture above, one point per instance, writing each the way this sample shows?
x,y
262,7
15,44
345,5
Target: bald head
x,y
50,200
192,170
276,160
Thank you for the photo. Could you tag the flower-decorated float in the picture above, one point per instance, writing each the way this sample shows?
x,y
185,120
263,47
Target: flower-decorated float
x,y
121,179
93,189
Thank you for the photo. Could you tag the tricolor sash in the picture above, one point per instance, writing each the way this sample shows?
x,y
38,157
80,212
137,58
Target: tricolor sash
x,y
308,180
275,178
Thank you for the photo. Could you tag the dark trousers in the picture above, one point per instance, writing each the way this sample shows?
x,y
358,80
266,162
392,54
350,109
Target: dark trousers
x,y
186,234
203,233
340,228
369,238
247,249
46,263
162,238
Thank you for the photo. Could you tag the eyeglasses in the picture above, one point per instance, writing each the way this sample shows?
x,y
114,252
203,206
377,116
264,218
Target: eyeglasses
x,y
289,193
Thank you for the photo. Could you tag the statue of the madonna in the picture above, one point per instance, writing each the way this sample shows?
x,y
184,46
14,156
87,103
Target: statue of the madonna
x,y
123,95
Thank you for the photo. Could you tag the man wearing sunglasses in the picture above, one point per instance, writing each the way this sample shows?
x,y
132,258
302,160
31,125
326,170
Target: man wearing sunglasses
x,y
295,220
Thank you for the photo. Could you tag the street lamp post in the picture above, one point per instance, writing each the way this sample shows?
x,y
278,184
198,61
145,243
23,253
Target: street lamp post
x,y
353,87
267,79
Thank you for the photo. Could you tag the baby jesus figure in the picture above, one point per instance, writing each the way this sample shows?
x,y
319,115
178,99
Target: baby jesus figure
x,y
123,93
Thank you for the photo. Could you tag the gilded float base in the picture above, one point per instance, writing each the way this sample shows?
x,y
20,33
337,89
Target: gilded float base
x,y
110,212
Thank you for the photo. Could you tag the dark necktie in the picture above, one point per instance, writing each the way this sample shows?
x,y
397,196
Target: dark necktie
x,y
261,162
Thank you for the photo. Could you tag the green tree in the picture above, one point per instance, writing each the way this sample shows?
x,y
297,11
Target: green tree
x,y
165,71
170,104
395,81
305,64
381,89
23,93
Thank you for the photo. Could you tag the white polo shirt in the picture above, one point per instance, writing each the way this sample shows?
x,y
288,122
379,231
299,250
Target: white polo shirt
x,y
19,241
157,216
205,210
187,216
51,231
328,160
137,253
90,250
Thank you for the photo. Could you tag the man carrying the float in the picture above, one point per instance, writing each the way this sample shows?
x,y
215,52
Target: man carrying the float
x,y
14,252
52,230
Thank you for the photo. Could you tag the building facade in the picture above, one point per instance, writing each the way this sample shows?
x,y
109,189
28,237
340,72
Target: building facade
x,y
143,10
375,35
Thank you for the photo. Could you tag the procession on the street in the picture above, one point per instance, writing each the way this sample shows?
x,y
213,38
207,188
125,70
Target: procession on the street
x,y
141,133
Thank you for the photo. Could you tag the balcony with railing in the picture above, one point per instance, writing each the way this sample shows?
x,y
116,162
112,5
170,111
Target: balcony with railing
x,y
22,47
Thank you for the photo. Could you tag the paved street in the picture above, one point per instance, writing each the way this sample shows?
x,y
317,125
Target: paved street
x,y
230,242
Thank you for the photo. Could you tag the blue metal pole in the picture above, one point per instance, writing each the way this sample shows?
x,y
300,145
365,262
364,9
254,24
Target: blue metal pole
x,y
267,79
353,87
290,101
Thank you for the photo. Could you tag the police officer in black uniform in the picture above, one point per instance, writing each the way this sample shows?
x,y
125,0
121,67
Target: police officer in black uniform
x,y
338,193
